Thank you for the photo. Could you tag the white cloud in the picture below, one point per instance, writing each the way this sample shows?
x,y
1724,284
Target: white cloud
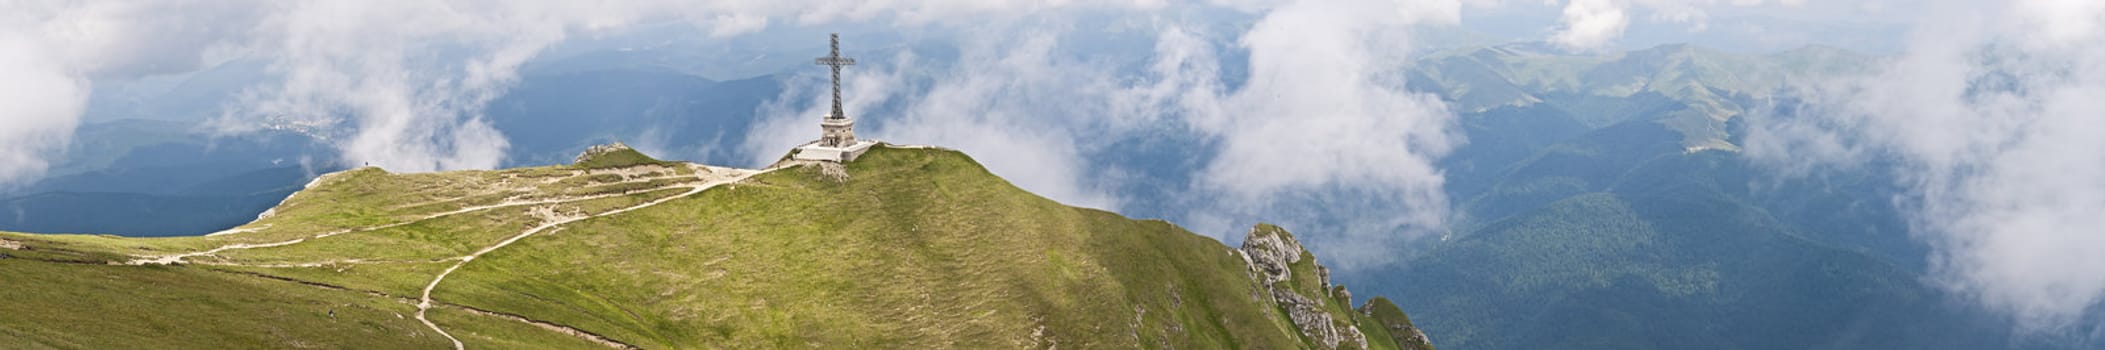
x,y
1323,114
408,78
1588,25
1007,111
51,51
1994,113
1591,24
44,105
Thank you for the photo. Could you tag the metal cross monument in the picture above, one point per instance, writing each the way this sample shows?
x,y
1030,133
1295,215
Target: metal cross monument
x,y
834,59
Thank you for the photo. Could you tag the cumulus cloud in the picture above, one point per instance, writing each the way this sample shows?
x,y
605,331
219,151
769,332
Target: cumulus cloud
x,y
45,103
51,52
1993,112
1591,24
1596,24
1007,110
406,80
1323,121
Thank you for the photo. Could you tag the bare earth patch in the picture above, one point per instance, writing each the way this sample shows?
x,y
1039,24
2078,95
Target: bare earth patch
x,y
10,245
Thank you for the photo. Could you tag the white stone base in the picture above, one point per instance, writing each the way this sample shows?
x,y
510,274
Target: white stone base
x,y
813,151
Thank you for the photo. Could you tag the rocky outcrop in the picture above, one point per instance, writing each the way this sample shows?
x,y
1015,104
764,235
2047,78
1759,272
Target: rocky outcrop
x,y
598,150
1398,325
1273,255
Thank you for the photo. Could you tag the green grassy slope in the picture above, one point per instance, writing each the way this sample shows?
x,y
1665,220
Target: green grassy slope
x,y
83,306
918,248
1390,319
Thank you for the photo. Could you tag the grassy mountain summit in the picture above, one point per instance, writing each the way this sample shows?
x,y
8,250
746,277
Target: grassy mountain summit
x,y
916,248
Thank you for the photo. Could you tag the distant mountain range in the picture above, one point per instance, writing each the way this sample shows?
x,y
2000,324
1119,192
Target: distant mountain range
x,y
1693,90
1602,204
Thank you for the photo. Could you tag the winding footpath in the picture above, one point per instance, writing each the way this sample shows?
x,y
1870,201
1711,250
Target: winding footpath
x,y
178,258
424,302
707,176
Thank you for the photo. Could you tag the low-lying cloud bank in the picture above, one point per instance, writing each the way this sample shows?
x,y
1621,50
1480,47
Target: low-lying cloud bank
x,y
1996,113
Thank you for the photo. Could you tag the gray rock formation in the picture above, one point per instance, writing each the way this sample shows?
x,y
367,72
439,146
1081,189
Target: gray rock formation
x,y
1272,253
